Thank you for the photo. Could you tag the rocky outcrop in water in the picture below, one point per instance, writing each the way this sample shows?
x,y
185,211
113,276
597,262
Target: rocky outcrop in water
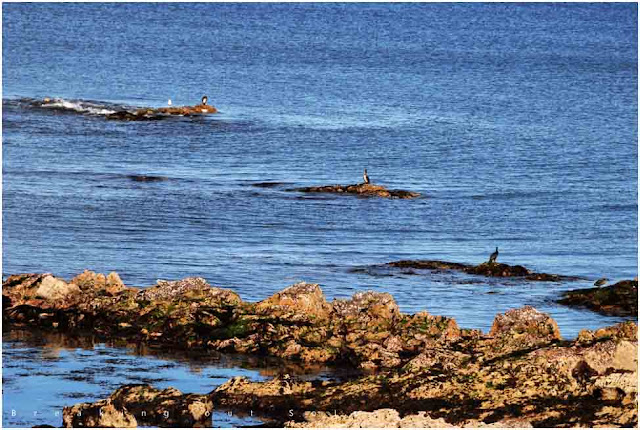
x,y
363,190
159,113
485,269
618,299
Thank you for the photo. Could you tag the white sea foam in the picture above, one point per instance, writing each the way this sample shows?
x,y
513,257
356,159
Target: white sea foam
x,y
78,106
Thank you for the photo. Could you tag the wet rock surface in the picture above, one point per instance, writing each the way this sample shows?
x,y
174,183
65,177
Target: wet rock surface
x,y
545,383
485,269
364,190
143,114
618,299
420,369
367,331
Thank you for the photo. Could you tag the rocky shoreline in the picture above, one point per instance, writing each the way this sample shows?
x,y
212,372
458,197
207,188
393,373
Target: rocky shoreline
x,y
417,370
363,190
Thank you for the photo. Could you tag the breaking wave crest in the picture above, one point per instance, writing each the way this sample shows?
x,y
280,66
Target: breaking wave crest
x,y
80,106
107,110
84,107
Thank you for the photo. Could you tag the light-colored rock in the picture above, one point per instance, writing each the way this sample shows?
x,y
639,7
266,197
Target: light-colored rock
x,y
52,288
381,418
302,299
99,414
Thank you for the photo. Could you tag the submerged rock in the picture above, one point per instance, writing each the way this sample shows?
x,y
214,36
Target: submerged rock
x,y
364,190
618,299
485,269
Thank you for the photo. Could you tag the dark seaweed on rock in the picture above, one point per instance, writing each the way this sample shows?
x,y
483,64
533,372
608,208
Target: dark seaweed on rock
x,y
620,299
485,269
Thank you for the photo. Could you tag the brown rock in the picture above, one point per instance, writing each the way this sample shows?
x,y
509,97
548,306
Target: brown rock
x,y
133,405
187,288
364,190
52,289
99,414
523,328
301,301
369,305
525,321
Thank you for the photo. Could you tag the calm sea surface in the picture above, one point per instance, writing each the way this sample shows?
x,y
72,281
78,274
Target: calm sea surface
x,y
517,122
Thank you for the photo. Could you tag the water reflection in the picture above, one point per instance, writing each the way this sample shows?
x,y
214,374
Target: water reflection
x,y
45,371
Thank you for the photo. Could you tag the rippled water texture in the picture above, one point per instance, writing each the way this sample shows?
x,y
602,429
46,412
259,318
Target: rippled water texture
x,y
517,122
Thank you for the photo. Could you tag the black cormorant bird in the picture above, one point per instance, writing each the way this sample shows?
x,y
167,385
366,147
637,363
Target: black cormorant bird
x,y
365,176
204,100
492,257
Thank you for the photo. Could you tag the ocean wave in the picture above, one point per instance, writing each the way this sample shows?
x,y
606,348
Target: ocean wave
x,y
79,106
85,107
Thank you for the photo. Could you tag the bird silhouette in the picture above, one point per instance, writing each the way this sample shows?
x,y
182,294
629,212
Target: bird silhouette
x,y
365,177
493,256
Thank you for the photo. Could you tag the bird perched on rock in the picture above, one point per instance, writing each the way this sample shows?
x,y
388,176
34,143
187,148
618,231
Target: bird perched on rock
x,y
204,100
493,256
169,102
600,282
365,177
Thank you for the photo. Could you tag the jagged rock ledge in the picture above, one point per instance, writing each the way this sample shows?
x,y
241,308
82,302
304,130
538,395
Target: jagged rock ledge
x,y
363,190
426,368
485,269
143,114
619,299
519,375
367,331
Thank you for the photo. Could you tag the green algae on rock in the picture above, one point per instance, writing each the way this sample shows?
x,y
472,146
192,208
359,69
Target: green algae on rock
x,y
367,331
535,380
620,299
520,370
363,190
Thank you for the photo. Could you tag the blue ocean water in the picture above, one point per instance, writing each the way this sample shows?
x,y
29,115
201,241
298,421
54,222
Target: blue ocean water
x,y
517,122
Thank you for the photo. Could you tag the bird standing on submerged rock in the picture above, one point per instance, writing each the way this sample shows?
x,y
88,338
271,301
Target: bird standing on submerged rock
x,y
204,100
365,177
492,257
